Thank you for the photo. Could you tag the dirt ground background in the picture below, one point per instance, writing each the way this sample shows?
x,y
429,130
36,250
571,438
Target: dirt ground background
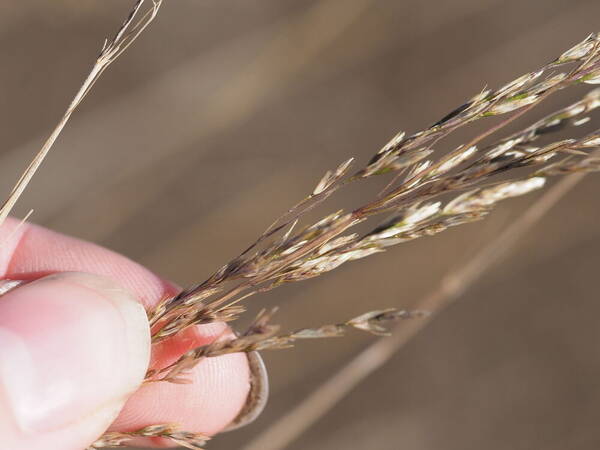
x,y
226,112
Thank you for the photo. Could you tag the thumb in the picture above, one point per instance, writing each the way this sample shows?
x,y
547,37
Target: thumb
x,y
73,346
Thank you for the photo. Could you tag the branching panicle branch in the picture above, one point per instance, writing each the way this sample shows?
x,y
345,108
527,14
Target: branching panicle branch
x,y
467,172
262,335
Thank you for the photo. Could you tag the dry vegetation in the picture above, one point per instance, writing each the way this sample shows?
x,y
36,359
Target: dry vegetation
x,y
427,194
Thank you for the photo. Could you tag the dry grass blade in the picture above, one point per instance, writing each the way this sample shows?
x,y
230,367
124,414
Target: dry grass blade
x,y
132,27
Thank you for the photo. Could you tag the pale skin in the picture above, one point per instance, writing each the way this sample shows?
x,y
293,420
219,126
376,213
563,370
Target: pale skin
x,y
61,337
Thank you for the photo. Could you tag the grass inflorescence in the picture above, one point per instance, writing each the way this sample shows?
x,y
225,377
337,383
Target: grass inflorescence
x,y
428,194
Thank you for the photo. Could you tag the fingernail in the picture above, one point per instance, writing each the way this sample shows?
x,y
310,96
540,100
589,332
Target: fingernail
x,y
71,345
258,395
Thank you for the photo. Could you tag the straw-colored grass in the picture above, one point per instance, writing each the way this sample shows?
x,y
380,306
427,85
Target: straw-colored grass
x,y
426,195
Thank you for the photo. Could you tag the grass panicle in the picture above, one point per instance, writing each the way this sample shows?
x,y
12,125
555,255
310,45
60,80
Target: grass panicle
x,y
467,172
427,194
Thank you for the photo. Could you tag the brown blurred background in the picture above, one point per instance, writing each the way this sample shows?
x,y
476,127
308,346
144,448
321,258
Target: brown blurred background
x,y
226,112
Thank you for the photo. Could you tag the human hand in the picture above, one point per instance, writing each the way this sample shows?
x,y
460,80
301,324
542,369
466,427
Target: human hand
x,y
75,345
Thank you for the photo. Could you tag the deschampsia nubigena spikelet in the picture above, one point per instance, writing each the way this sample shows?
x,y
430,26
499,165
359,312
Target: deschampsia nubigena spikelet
x,y
428,194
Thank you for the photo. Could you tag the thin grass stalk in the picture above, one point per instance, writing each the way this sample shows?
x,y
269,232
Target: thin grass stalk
x,y
129,31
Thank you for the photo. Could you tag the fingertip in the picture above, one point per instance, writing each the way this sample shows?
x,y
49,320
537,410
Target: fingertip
x,y
73,347
221,386
217,392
